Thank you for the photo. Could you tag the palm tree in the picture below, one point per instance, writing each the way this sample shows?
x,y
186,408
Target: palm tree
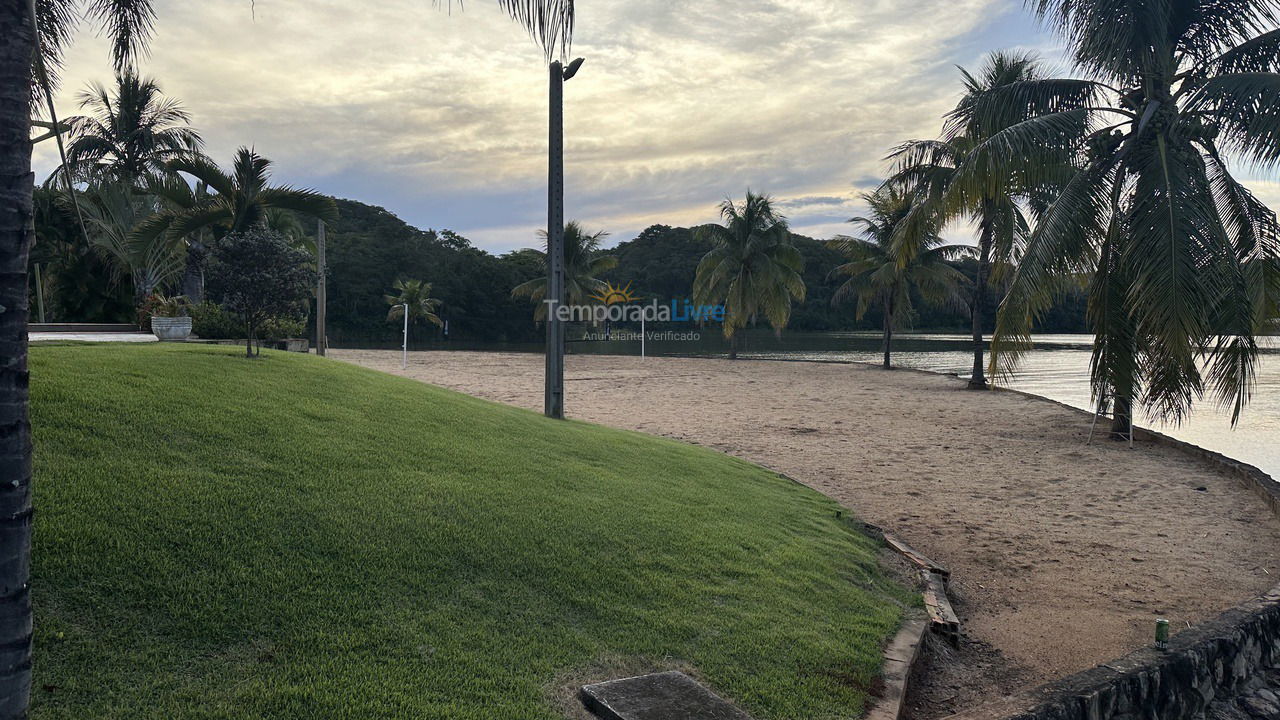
x,y
27,59
1181,261
239,200
175,195
752,267
883,273
983,195
111,212
129,132
417,295
583,262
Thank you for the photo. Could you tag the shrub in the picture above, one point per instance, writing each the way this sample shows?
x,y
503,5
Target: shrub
x,y
211,322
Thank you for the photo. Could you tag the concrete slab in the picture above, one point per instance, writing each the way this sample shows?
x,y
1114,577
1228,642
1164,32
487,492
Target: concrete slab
x,y
659,696
92,336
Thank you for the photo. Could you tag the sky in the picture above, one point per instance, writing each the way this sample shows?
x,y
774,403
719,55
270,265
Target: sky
x,y
440,116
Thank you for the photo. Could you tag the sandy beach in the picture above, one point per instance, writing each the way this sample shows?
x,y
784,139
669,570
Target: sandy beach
x,y
1062,553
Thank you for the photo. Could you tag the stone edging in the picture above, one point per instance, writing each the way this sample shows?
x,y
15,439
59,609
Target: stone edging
x,y
1204,663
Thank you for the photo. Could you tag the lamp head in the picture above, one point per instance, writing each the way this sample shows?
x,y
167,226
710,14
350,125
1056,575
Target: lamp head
x,y
572,69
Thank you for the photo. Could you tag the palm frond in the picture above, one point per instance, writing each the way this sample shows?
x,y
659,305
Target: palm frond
x,y
128,23
1246,106
206,171
308,202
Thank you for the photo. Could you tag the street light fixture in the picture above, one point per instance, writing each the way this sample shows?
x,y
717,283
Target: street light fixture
x,y
553,391
572,70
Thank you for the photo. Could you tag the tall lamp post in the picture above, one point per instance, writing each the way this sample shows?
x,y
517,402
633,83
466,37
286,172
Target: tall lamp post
x,y
553,395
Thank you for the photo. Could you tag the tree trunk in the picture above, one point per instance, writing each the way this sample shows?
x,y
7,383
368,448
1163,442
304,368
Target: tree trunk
x,y
248,339
978,381
733,346
1122,417
16,185
888,336
193,273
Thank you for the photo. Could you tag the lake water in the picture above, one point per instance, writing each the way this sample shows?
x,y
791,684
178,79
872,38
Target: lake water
x,y
1058,368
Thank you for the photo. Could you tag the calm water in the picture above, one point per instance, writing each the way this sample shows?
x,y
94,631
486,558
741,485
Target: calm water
x,y
1058,368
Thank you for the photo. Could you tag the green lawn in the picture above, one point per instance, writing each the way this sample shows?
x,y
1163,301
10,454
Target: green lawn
x,y
291,537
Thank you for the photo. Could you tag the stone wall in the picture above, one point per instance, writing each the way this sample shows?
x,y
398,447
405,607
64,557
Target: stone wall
x,y
1209,662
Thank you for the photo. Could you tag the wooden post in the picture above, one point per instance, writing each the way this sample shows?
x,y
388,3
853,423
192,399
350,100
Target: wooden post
x,y
322,337
39,294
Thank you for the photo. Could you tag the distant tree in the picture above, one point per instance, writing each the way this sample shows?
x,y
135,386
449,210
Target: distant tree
x,y
876,270
583,263
752,267
131,131
257,275
417,295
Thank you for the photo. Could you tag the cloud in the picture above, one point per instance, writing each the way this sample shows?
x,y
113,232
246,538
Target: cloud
x,y
441,116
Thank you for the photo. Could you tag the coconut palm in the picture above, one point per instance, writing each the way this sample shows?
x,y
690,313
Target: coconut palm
x,y
1181,261
29,58
129,132
982,195
752,268
416,294
883,274
584,261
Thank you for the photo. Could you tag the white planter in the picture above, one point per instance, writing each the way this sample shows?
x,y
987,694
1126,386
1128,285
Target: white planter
x,y
173,329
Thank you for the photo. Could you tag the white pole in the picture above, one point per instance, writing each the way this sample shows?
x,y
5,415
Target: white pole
x,y
404,347
642,333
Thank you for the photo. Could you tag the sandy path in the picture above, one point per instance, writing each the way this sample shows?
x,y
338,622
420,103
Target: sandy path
x,y
1062,554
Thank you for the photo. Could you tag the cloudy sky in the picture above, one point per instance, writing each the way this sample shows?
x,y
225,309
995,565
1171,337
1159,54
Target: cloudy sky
x,y
441,117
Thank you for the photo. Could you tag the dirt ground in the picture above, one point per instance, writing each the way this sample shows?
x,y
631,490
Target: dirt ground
x,y
1062,554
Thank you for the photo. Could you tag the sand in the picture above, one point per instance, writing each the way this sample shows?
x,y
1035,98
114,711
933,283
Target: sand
x,y
1062,554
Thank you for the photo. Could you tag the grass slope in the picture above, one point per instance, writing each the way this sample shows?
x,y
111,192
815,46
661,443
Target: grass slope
x,y
292,537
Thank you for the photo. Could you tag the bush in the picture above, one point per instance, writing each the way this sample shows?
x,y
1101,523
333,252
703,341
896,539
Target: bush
x,y
279,328
212,322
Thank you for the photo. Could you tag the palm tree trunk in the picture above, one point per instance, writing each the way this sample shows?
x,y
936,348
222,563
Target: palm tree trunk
x,y
733,346
193,273
1122,417
978,380
888,336
16,185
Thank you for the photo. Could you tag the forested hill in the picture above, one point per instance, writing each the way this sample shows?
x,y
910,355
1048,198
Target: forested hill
x,y
369,248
